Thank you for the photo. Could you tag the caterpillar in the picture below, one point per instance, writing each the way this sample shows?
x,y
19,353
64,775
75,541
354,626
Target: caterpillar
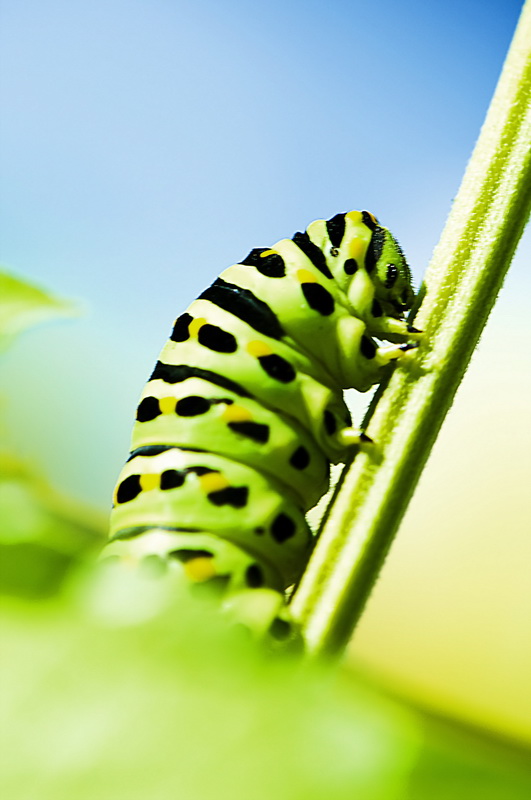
x,y
244,412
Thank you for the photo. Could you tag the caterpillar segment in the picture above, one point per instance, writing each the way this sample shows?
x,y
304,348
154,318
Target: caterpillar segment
x,y
244,411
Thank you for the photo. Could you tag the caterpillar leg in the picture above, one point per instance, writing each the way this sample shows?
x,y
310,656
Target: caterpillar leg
x,y
265,613
363,360
352,437
246,588
386,355
250,590
394,329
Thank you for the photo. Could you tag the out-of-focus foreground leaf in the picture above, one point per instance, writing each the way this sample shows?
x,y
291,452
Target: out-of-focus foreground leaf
x,y
122,690
23,305
42,533
464,762
174,705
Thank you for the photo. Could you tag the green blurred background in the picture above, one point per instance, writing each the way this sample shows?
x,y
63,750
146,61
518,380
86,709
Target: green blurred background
x,y
147,145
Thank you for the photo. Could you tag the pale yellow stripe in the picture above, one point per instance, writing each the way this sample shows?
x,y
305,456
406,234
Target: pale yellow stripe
x,y
257,349
355,216
305,276
149,481
200,569
236,413
194,326
167,405
355,249
213,482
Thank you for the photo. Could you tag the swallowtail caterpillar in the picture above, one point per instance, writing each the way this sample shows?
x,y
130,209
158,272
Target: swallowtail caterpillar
x,y
244,411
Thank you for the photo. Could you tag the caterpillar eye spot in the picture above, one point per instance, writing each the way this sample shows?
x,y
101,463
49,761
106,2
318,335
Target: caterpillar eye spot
x,y
243,414
391,276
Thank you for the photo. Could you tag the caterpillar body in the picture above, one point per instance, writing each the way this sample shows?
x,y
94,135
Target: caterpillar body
x,y
244,411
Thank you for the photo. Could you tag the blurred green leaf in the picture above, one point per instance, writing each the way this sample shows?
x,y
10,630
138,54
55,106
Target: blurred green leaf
x,y
177,706
42,533
23,305
460,761
124,690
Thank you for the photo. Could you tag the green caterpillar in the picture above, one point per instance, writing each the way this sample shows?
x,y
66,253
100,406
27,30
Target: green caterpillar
x,y
244,411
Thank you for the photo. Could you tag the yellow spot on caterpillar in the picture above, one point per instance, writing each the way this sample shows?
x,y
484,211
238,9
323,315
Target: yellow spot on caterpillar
x,y
267,253
149,481
258,349
355,216
167,405
355,249
236,413
194,326
213,482
305,276
200,569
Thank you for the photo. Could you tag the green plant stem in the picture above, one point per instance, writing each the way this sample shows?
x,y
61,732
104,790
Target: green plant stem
x,y
461,285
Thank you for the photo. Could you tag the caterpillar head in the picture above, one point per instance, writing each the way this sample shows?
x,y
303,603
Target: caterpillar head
x,y
389,272
355,240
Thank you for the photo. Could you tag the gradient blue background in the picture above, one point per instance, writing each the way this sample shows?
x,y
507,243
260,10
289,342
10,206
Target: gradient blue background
x,y
147,145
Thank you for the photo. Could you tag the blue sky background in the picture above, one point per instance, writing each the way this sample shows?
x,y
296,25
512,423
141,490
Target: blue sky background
x,y
147,145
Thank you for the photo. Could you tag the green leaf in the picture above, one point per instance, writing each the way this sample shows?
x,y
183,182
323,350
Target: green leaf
x,y
175,706
24,305
43,534
126,690
461,761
